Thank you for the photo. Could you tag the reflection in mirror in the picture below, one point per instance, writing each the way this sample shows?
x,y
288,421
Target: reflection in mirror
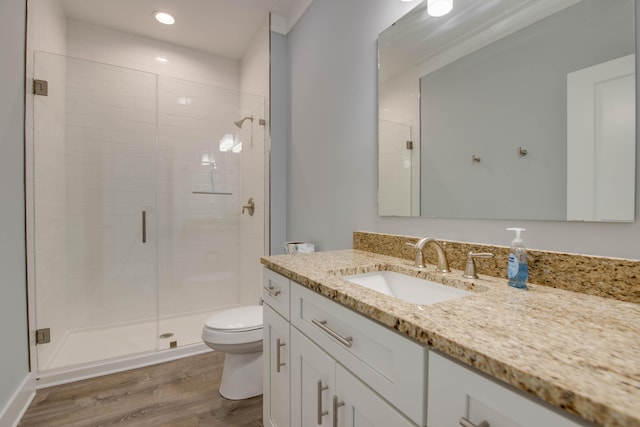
x,y
399,174
542,92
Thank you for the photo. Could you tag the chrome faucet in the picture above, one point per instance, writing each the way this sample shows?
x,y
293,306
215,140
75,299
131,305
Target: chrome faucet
x,y
443,264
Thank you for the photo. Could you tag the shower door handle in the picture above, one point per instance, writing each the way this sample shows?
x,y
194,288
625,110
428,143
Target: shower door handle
x,y
144,226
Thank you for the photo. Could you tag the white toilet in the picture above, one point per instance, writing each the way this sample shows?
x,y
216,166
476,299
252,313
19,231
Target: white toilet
x,y
238,333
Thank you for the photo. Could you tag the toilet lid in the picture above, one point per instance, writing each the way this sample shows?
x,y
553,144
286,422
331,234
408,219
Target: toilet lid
x,y
237,319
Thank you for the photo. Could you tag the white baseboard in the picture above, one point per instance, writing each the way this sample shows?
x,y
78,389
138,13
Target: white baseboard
x,y
19,402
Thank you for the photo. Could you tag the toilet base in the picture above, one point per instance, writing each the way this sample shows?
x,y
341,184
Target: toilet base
x,y
241,376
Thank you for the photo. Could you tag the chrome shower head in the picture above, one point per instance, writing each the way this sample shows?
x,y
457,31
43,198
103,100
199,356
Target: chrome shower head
x,y
241,121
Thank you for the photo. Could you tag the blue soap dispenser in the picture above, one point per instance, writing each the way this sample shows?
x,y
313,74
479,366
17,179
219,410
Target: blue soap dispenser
x,y
518,268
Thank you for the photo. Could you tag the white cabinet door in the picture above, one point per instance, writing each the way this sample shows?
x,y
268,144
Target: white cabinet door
x,y
312,383
357,405
457,392
276,369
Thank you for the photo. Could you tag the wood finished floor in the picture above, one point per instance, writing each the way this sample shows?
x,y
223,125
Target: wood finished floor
x,y
181,393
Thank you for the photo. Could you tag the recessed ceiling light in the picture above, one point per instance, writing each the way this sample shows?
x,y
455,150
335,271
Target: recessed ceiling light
x,y
164,17
439,7
161,59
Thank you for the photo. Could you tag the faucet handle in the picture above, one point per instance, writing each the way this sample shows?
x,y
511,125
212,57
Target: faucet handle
x,y
470,269
419,256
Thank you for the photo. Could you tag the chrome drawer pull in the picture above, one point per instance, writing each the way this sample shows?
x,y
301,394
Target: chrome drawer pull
x,y
272,291
278,363
321,413
336,405
322,324
466,423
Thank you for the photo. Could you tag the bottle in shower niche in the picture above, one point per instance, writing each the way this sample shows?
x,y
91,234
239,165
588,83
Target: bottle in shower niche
x,y
518,267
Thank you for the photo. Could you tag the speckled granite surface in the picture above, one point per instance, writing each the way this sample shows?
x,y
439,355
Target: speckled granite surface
x,y
604,277
575,351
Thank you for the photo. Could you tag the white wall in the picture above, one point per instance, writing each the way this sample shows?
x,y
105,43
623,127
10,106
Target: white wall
x,y
44,122
88,41
14,369
334,144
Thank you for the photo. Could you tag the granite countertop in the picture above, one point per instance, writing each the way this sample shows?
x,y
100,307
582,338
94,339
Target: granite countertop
x,y
575,351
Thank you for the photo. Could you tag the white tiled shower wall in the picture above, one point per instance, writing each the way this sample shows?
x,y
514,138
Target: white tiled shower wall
x,y
110,180
186,131
197,234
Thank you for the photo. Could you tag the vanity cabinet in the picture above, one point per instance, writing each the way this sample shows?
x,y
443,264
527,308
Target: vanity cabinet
x,y
325,393
460,396
334,362
276,350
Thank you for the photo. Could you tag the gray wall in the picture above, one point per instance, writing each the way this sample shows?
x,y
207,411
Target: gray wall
x,y
333,161
279,78
524,75
13,305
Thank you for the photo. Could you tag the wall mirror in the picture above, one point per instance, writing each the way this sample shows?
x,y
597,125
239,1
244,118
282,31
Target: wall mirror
x,y
509,109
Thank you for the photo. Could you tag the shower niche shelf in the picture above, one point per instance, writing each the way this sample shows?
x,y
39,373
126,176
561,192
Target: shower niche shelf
x,y
222,193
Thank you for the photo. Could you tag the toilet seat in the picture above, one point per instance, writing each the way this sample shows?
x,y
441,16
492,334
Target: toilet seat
x,y
237,319
240,325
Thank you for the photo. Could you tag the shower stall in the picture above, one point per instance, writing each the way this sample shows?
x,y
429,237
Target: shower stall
x,y
139,183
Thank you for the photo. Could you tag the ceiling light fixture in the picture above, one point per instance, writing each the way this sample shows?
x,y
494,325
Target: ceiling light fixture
x,y
439,7
164,17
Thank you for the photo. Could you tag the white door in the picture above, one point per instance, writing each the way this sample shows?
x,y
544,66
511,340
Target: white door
x,y
312,383
359,406
276,369
601,142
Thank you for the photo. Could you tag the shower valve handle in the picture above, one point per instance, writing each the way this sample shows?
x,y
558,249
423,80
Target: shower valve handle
x,y
250,206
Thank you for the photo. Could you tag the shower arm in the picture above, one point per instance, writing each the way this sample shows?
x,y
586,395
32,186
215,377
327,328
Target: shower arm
x,y
242,120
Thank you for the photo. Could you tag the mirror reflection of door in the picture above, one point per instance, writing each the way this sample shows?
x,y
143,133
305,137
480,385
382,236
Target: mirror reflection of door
x,y
601,141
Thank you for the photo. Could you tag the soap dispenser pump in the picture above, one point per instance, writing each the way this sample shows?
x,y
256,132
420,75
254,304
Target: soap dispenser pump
x,y
518,268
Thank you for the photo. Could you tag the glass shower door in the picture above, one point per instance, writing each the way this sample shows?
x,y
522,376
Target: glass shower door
x,y
94,174
396,170
206,172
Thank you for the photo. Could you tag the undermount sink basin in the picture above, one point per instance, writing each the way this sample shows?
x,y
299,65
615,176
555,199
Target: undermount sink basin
x,y
407,288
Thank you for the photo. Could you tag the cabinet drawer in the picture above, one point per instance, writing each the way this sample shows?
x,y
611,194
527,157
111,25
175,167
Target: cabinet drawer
x,y
457,391
392,365
276,292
